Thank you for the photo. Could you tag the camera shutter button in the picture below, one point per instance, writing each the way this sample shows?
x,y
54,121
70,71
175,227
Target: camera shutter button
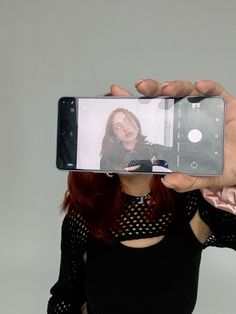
x,y
194,135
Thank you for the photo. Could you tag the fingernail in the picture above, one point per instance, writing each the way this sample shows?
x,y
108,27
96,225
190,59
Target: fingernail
x,y
167,185
164,84
138,83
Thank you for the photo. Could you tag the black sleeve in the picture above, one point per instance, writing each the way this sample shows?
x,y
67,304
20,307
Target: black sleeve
x,y
221,223
68,294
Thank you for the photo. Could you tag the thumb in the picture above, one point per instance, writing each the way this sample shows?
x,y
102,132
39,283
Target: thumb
x,y
184,183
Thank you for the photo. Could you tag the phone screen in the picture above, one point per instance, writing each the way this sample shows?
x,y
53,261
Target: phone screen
x,y
149,135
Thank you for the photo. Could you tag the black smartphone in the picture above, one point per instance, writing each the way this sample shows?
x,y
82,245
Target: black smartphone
x,y
141,135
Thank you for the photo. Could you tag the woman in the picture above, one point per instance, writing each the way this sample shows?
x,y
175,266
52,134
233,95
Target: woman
x,y
125,148
132,245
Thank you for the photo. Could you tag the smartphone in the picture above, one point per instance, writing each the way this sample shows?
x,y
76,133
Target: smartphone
x,y
141,135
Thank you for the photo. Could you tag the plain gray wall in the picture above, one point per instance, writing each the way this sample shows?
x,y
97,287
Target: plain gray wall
x,y
73,47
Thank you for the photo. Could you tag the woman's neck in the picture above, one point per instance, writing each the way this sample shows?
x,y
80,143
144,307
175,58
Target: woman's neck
x,y
129,146
135,184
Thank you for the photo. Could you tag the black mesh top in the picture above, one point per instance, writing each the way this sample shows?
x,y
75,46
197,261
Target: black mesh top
x,y
114,279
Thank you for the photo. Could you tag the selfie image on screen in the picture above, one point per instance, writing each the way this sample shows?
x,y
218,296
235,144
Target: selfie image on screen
x,y
124,134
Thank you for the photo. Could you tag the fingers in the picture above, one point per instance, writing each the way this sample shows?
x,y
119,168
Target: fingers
x,y
132,168
178,89
152,88
149,88
183,183
211,88
119,91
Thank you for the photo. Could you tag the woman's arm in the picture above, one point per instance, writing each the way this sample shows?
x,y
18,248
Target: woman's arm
x,y
220,191
179,181
221,222
68,294
222,198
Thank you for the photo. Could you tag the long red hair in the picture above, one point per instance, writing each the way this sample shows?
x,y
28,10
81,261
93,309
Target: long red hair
x,y
98,199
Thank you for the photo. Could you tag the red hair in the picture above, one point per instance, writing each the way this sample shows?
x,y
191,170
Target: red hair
x,y
98,199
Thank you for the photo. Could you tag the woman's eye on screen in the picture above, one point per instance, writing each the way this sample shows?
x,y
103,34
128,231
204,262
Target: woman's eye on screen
x,y
117,126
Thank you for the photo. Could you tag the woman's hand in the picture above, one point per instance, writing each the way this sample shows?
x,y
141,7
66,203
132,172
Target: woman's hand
x,y
178,181
132,168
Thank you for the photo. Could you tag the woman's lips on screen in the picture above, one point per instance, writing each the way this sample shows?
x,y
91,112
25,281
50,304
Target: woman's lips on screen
x,y
129,134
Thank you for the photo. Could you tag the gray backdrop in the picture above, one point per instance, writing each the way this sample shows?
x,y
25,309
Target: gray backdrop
x,y
52,48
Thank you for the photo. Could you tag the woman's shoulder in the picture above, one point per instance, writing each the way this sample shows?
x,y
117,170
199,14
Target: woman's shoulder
x,y
187,204
74,226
